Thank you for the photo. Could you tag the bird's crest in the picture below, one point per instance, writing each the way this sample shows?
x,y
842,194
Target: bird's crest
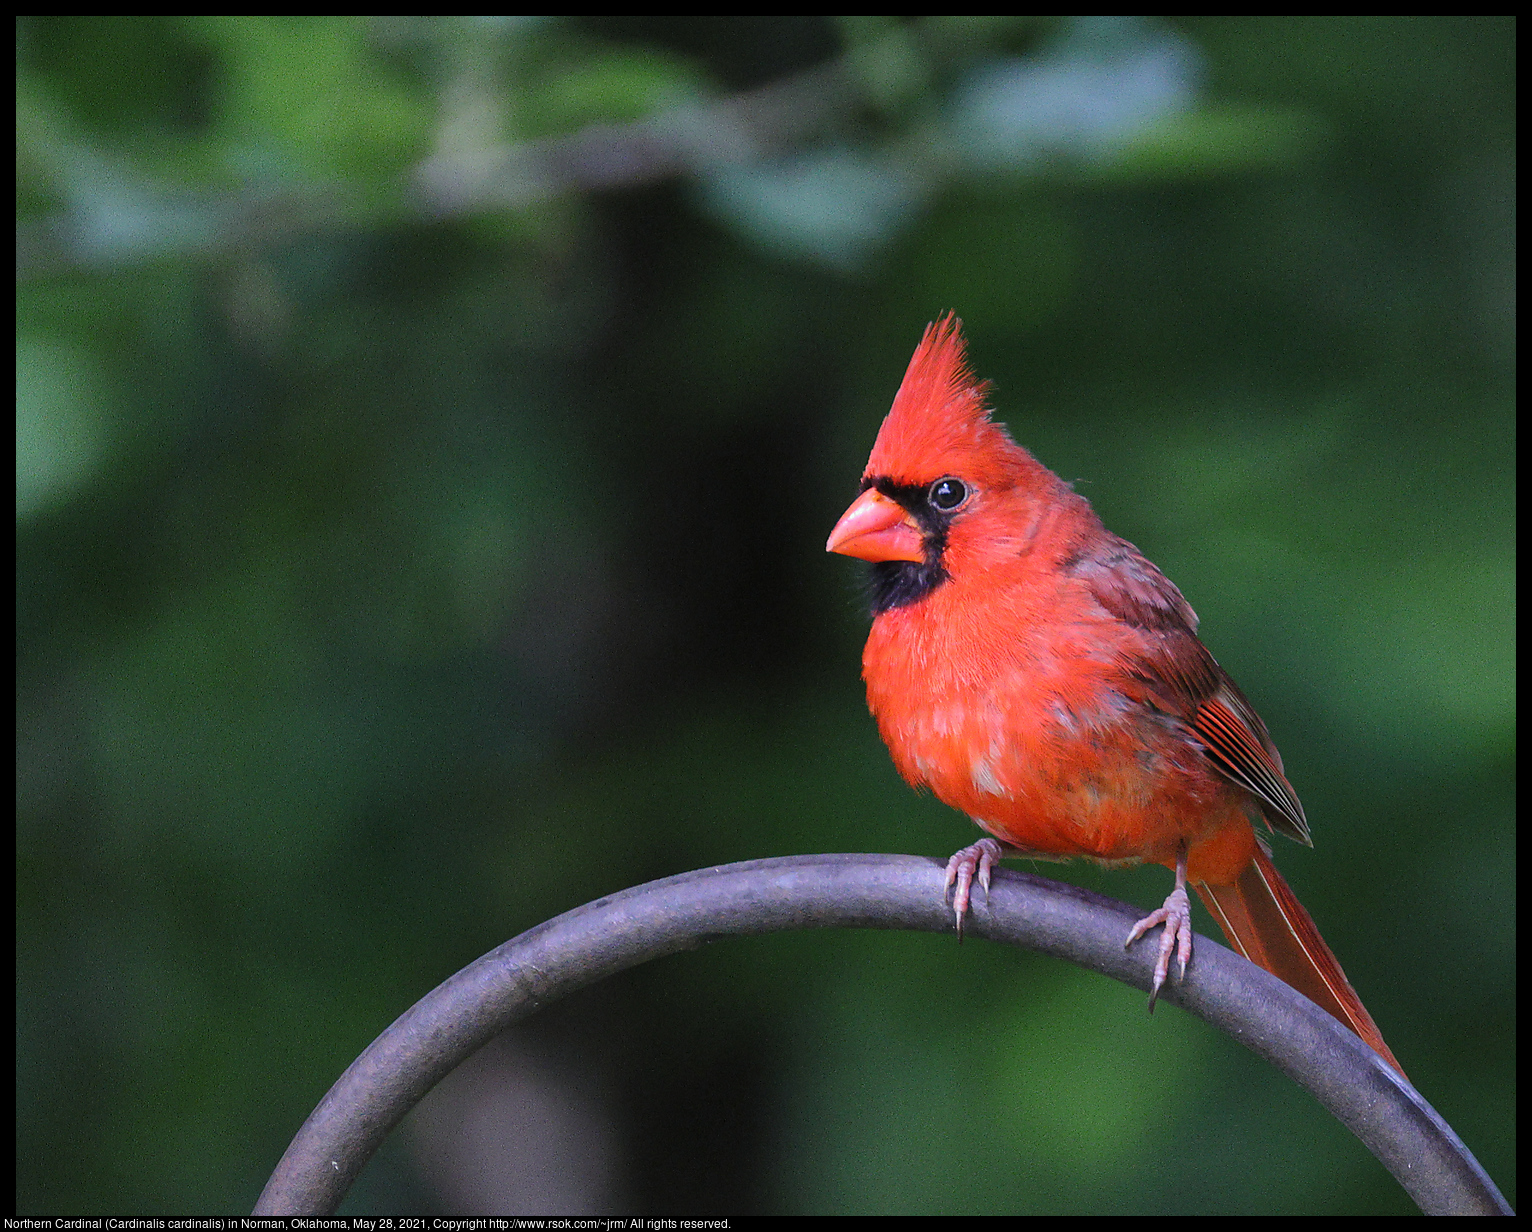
x,y
939,423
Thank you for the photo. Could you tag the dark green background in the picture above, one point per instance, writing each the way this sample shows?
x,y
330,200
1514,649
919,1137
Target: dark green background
x,y
391,580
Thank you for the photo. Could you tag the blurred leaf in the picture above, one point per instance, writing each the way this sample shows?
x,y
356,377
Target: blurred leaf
x,y
61,430
606,86
836,206
1219,137
1083,97
306,97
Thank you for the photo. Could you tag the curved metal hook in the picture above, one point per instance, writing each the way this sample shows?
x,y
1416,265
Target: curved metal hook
x,y
684,912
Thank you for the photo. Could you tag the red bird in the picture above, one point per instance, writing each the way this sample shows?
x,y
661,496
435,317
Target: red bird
x,y
1035,671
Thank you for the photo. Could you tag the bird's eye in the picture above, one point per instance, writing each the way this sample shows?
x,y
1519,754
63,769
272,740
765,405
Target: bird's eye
x,y
947,494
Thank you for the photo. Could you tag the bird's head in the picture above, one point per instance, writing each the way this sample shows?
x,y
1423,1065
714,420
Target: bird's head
x,y
939,489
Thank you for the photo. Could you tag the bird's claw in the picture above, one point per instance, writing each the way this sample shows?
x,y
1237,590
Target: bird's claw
x,y
974,862
1176,916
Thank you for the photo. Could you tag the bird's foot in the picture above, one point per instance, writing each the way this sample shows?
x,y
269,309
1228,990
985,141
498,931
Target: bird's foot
x,y
1176,916
974,861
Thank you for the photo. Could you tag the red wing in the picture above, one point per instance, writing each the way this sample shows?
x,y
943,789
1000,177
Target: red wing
x,y
1185,680
1236,742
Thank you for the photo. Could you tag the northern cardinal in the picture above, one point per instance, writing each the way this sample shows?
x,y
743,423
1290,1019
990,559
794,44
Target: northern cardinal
x,y
1036,672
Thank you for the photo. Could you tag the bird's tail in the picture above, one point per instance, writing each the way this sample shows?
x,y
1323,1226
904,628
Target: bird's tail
x,y
1265,922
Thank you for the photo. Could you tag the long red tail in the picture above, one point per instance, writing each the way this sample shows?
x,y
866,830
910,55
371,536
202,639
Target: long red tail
x,y
1265,922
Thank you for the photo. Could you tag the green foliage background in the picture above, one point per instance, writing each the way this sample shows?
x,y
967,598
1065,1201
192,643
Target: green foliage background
x,y
403,561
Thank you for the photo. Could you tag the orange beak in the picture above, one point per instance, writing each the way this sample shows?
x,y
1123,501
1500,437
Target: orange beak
x,y
876,528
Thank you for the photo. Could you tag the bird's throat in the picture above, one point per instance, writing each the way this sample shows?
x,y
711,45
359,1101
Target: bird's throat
x,y
899,583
